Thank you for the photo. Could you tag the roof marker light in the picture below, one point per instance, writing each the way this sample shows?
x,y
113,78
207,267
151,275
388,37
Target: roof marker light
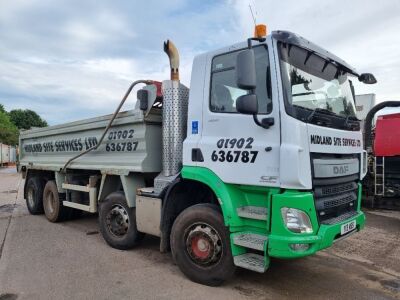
x,y
260,30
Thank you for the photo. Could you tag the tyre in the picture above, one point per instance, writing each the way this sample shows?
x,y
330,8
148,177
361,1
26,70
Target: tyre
x,y
52,203
34,195
200,245
117,222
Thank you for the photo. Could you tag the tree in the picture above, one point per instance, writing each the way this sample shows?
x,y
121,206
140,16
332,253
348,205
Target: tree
x,y
296,78
2,109
8,131
26,119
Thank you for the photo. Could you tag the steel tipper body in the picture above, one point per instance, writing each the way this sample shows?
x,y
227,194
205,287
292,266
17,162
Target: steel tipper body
x,y
135,138
261,158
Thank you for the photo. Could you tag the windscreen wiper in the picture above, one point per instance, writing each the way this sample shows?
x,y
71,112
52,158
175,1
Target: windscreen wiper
x,y
353,124
320,110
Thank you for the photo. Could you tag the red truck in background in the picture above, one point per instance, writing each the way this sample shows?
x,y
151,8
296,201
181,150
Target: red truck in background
x,y
387,135
382,183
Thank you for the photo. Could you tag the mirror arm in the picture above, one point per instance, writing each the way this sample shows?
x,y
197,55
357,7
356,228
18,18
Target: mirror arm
x,y
265,123
257,121
254,39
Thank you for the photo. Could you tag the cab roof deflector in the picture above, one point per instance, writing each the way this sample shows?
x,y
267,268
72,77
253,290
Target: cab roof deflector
x,y
291,38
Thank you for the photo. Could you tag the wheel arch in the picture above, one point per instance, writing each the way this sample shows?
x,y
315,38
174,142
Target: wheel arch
x,y
188,190
128,184
224,193
108,185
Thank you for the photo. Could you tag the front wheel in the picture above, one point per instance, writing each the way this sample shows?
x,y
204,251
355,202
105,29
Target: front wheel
x,y
200,245
118,222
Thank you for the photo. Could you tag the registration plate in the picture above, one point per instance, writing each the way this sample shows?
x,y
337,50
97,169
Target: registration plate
x,y
348,227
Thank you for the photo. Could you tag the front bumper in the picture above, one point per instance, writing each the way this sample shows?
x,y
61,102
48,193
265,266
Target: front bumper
x,y
323,236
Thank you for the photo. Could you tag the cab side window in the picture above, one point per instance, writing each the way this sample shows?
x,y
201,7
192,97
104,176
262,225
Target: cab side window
x,y
224,90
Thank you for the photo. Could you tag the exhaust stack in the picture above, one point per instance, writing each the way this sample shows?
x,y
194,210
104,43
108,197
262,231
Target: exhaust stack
x,y
173,56
174,119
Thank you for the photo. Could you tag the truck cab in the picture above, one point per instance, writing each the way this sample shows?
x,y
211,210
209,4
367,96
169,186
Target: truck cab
x,y
295,180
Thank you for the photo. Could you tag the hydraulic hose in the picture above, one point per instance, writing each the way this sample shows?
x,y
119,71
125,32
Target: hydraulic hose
x,y
109,123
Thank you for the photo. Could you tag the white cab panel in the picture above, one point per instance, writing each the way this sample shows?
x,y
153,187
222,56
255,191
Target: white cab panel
x,y
195,109
233,146
330,140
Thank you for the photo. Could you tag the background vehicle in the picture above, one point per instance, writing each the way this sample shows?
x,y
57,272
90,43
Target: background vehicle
x,y
382,142
262,158
8,155
364,103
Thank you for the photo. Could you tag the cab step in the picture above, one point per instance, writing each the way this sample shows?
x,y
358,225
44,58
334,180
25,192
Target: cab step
x,y
252,212
250,240
250,261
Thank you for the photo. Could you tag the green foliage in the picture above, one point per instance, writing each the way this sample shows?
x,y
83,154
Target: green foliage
x,y
26,119
296,78
17,119
8,131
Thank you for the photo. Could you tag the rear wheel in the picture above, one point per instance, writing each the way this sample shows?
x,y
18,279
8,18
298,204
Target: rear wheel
x,y
200,245
118,222
34,195
52,203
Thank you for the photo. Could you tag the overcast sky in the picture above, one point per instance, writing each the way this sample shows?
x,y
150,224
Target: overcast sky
x,y
72,59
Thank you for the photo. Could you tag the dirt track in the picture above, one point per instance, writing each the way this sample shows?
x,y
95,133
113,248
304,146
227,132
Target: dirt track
x,y
40,260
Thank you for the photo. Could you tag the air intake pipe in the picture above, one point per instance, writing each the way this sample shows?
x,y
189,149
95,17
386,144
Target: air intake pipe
x,y
173,56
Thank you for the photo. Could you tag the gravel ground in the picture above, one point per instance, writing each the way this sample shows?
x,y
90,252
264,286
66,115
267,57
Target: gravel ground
x,y
70,260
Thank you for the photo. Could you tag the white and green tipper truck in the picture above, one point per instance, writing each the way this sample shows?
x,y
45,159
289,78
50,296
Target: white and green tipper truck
x,y
261,158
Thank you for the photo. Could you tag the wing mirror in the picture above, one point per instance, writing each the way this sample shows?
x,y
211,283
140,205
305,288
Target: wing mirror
x,y
247,104
246,79
246,70
143,97
367,78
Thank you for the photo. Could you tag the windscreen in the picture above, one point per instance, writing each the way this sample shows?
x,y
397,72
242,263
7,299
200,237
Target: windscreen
x,y
314,84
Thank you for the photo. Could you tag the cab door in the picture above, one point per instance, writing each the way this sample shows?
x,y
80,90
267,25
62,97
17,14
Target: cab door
x,y
234,147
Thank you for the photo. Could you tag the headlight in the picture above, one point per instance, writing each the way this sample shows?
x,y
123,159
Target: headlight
x,y
296,220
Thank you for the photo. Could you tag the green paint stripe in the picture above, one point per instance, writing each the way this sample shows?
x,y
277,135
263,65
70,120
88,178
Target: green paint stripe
x,y
232,196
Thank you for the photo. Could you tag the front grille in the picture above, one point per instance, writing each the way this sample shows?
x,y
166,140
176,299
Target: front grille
x,y
335,189
335,197
339,219
340,200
